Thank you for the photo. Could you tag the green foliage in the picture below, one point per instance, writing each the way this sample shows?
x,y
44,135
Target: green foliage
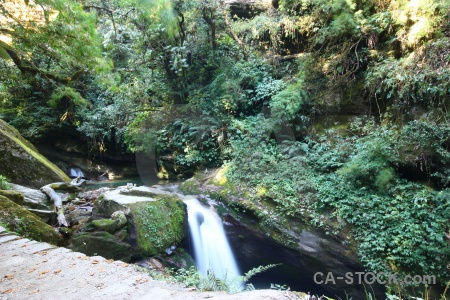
x,y
4,184
286,104
399,225
416,79
192,278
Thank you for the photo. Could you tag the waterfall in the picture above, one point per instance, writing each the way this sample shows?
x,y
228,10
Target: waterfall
x,y
76,172
211,248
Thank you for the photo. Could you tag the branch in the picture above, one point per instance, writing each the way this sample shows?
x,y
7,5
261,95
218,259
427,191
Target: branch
x,y
49,190
233,34
34,71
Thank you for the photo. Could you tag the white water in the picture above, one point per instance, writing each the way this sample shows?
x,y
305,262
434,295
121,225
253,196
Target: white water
x,y
211,247
76,172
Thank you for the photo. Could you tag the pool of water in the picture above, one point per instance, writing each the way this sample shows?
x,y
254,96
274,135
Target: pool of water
x,y
93,185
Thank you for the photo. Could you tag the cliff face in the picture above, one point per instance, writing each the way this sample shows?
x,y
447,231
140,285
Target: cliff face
x,y
21,163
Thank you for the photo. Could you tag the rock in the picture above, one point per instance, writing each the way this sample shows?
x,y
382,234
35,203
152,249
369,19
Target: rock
x,y
101,243
66,232
33,198
21,163
152,264
120,217
14,196
78,217
157,219
122,235
25,223
107,225
47,216
179,259
157,225
190,187
78,201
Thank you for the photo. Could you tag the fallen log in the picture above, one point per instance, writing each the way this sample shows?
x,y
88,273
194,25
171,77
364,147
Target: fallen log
x,y
49,190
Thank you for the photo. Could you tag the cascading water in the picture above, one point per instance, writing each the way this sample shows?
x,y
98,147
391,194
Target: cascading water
x,y
211,248
76,172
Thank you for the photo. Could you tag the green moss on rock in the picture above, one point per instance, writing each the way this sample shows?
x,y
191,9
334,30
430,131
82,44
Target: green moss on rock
x,y
14,196
26,224
101,243
107,225
190,187
22,164
158,224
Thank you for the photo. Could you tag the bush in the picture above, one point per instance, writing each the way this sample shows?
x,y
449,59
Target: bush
x,y
4,184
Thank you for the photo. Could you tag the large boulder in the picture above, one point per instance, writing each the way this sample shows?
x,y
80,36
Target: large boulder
x,y
36,202
21,163
101,243
157,219
25,223
157,225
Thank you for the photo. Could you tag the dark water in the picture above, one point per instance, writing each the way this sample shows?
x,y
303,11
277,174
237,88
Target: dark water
x,y
252,251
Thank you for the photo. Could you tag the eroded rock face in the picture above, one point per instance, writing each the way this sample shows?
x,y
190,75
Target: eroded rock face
x,y
22,164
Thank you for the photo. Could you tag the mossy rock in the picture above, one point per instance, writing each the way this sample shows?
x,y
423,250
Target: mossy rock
x,y
157,225
101,243
26,224
190,187
107,225
14,196
22,164
106,207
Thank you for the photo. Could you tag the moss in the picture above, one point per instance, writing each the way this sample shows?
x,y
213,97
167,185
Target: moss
x,y
40,158
219,177
158,224
14,196
103,225
101,243
190,187
22,164
26,224
15,133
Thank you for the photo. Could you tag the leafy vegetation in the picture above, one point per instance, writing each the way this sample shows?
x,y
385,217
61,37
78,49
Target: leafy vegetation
x,y
4,184
192,278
